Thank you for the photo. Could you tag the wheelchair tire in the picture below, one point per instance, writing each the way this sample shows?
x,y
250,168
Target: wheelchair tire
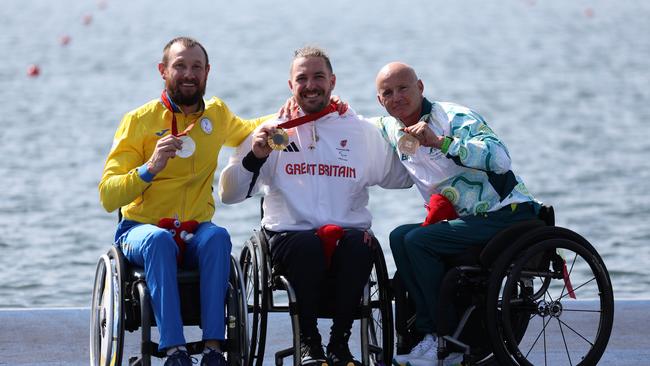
x,y
499,271
254,278
107,323
381,312
570,332
236,317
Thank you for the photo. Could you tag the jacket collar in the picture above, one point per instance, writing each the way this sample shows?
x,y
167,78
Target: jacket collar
x,y
426,107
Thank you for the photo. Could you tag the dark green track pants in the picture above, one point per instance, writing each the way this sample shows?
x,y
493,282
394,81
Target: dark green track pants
x,y
418,252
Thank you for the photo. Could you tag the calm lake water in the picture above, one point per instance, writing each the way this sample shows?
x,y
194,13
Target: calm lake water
x,y
566,84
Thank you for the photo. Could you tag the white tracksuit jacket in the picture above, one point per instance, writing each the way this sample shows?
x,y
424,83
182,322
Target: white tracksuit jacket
x,y
313,183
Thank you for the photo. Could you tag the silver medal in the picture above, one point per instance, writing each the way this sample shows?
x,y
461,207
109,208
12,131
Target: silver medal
x,y
188,147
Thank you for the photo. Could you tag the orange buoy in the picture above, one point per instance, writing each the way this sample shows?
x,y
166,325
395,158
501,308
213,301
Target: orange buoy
x,y
33,70
589,13
64,40
87,19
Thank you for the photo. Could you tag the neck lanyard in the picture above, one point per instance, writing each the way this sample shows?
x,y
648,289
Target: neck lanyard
x,y
170,107
308,117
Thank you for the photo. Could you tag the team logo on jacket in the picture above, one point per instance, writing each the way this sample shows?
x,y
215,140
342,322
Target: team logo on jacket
x,y
291,147
206,125
162,132
343,151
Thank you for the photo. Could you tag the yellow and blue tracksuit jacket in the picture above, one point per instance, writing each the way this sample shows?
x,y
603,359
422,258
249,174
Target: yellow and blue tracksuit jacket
x,y
184,187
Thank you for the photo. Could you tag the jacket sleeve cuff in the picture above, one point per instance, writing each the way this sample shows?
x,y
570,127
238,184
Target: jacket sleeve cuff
x,y
252,163
144,173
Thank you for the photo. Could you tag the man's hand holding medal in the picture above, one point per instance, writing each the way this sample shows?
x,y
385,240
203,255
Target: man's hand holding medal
x,y
166,149
263,142
424,135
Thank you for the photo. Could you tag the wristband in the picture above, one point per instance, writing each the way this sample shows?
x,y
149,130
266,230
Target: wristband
x,y
144,173
445,144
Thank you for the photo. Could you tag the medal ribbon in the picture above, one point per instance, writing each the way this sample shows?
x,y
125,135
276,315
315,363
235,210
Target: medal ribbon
x,y
332,107
170,107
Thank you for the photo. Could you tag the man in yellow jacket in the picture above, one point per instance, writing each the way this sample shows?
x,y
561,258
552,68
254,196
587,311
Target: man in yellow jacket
x,y
161,166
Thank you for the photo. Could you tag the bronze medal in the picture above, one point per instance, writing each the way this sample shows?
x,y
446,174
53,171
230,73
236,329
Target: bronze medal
x,y
408,144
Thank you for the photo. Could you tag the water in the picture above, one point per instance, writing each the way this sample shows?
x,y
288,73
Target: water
x,y
565,84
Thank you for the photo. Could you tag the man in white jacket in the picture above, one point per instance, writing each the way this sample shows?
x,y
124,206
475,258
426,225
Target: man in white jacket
x,y
320,178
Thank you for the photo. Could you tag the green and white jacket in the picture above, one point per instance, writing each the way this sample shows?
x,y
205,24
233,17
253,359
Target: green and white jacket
x,y
472,168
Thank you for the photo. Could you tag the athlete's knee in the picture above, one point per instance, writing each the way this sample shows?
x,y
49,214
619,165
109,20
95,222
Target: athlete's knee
x,y
415,242
396,242
159,242
215,238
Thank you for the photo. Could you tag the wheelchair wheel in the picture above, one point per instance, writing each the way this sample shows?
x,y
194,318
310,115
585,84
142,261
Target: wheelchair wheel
x,y
106,325
499,271
254,278
381,313
560,330
237,314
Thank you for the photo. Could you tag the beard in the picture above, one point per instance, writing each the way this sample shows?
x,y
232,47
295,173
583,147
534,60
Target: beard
x,y
186,99
314,106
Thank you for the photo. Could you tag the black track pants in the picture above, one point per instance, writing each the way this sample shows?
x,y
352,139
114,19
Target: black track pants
x,y
300,255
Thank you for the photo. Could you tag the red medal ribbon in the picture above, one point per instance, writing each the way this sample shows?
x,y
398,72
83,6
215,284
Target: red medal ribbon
x,y
168,104
332,107
567,282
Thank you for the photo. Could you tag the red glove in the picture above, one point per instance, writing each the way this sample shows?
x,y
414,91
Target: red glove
x,y
329,236
181,231
438,209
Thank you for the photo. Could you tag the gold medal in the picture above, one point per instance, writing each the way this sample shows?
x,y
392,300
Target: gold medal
x,y
279,139
408,144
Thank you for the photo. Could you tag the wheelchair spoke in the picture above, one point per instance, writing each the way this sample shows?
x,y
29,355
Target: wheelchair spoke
x,y
564,340
576,288
575,257
583,310
549,296
545,363
576,332
543,331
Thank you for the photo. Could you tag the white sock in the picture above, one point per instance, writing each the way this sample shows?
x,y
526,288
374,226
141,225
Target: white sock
x,y
171,350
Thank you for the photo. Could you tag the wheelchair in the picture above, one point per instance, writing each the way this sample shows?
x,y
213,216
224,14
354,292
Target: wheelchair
x,y
261,279
515,300
121,301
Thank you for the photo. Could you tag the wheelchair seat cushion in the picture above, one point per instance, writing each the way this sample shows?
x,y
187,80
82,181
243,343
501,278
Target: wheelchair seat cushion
x,y
498,244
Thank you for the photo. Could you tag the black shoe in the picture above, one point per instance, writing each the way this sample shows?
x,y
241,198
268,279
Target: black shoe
x,y
179,358
311,353
338,352
213,358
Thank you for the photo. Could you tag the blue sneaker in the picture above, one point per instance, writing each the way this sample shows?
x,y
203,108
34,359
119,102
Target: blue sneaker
x,y
213,358
179,358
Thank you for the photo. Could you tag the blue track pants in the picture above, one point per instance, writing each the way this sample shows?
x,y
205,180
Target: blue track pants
x,y
154,249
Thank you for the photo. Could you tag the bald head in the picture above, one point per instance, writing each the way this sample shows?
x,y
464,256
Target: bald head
x,y
400,91
395,69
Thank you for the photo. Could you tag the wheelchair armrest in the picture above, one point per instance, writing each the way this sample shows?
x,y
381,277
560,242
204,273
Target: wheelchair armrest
x,y
471,269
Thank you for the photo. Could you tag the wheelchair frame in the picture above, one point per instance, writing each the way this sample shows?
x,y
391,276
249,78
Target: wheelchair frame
x,y
121,301
511,284
375,313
